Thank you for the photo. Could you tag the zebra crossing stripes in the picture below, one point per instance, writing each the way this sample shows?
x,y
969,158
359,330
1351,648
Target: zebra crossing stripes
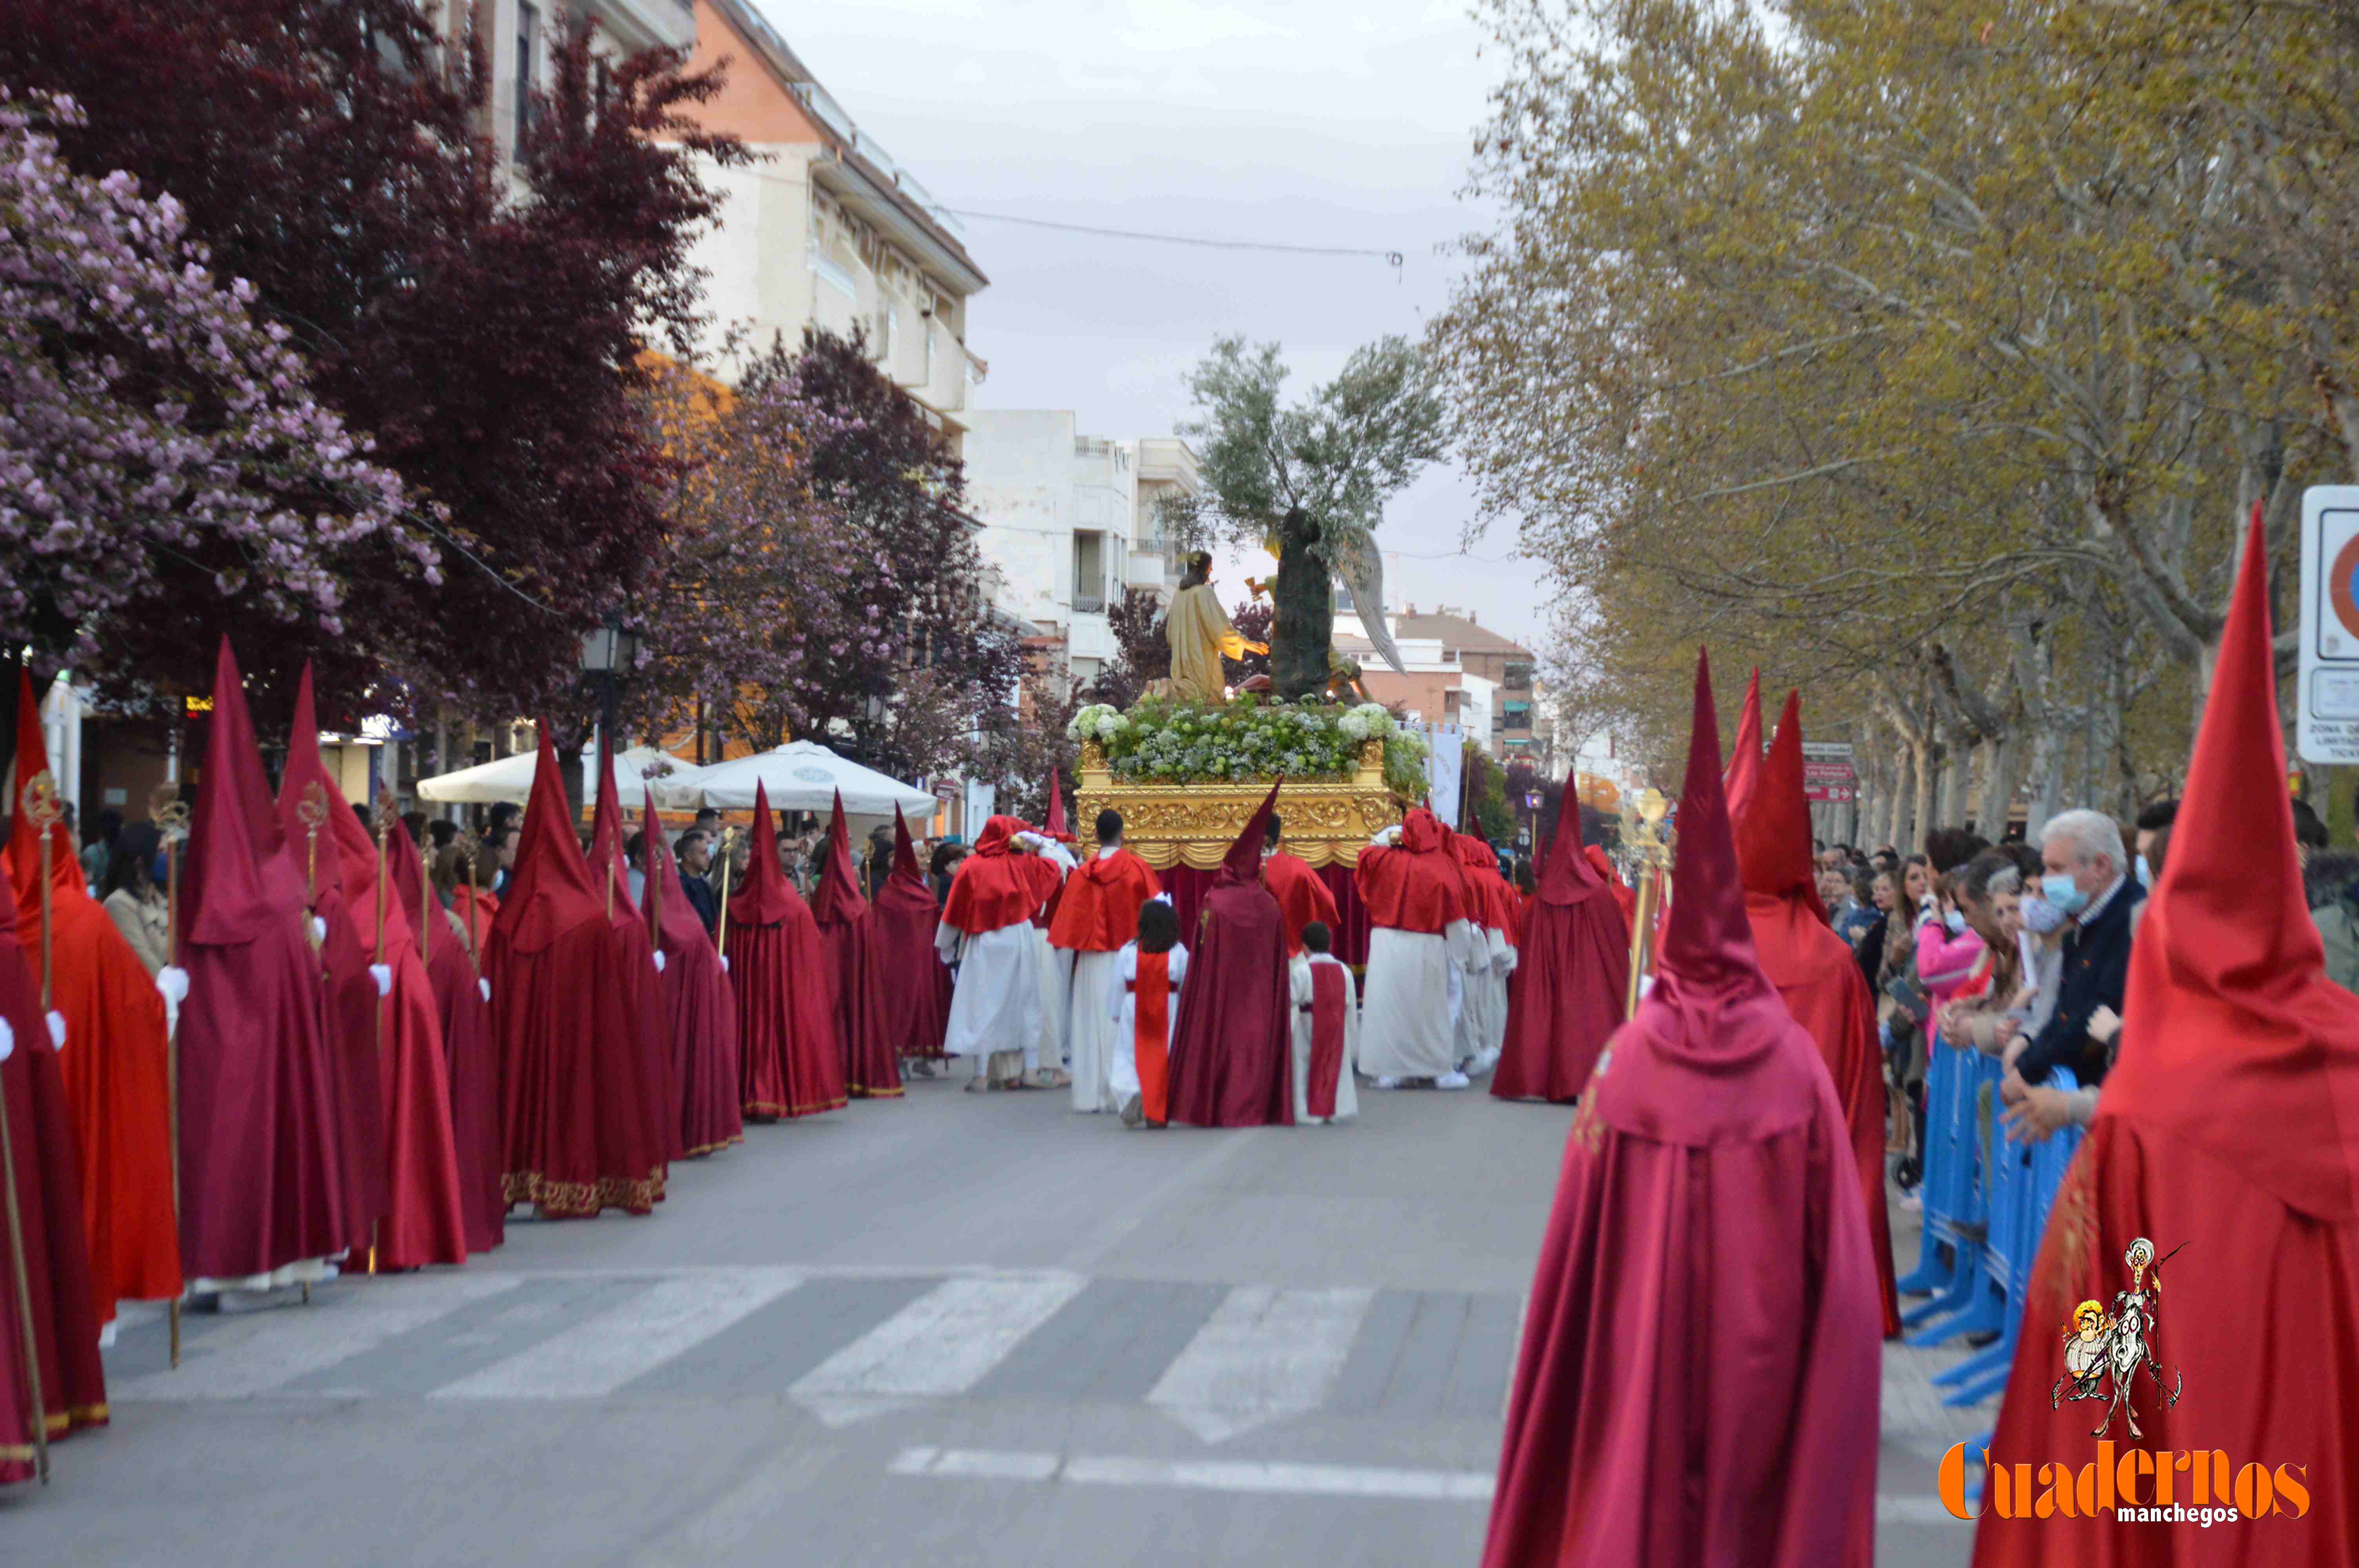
x,y
600,1355
846,1345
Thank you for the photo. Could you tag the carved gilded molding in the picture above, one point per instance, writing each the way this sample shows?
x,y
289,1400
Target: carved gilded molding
x,y
1327,821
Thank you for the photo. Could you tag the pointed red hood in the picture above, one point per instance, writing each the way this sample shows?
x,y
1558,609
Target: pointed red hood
x,y
1569,876
551,890
1242,864
766,897
1054,824
905,849
1773,830
1745,760
606,858
347,849
671,919
1708,973
228,896
24,853
837,900
2234,1039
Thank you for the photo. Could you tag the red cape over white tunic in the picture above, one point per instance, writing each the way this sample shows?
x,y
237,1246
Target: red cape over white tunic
x,y
1421,926
986,931
1337,1081
1097,915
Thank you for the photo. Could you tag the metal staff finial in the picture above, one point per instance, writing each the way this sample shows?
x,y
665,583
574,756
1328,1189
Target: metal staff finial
x,y
1647,830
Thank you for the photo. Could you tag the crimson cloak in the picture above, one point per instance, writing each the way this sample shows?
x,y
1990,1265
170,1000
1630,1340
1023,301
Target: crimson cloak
x,y
1233,1050
901,994
579,1131
1815,970
841,913
643,980
1698,1379
1302,896
469,1066
1571,979
699,1016
263,1172
789,1063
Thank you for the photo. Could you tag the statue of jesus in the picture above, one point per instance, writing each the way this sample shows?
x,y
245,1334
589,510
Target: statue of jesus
x,y
1201,634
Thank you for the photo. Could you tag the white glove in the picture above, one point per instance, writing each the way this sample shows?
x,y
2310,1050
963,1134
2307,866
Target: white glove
x,y
659,960
173,981
383,974
57,1030
1032,841
7,1040
319,929
724,963
484,987
1387,837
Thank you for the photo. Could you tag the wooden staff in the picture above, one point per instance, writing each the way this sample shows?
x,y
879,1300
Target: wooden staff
x,y
174,821
728,863
425,905
40,1411
467,922
1646,828
44,810
653,860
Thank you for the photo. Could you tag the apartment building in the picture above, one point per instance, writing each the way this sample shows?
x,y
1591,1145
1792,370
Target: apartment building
x,y
1501,662
825,229
1071,521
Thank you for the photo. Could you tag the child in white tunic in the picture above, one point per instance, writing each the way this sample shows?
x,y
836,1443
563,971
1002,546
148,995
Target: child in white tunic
x,y
1159,929
1315,941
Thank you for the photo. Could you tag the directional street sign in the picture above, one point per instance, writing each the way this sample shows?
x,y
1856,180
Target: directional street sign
x,y
1827,772
2327,729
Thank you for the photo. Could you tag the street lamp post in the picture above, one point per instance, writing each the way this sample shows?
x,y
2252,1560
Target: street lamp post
x,y
607,654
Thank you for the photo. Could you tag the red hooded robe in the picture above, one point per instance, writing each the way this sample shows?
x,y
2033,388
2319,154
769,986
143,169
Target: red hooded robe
x,y
842,911
582,1132
2228,1132
1231,1061
1744,757
422,1220
699,1013
901,996
789,1063
469,1065
1698,1381
1301,897
115,1060
1815,970
49,1207
263,1171
611,868
1573,977
1624,894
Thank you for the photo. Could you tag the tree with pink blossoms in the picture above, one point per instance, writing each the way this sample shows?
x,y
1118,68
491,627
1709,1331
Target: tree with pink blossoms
x,y
155,437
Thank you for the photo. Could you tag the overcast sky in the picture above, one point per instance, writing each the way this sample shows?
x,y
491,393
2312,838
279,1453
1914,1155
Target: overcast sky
x,y
1305,122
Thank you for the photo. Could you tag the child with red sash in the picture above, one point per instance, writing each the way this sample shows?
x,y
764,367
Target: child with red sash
x,y
1326,1032
1146,1007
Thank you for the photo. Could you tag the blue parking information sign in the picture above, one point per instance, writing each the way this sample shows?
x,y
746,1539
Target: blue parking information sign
x,y
2328,727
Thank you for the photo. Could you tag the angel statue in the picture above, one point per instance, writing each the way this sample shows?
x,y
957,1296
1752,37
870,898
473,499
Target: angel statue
x,y
1308,484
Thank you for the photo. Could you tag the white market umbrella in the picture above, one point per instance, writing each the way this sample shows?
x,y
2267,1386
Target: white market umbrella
x,y
800,775
510,778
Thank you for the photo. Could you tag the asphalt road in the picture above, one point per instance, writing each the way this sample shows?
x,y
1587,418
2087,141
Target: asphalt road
x,y
950,1329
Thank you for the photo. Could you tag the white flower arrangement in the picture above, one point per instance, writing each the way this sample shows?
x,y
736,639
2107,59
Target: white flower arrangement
x,y
1087,721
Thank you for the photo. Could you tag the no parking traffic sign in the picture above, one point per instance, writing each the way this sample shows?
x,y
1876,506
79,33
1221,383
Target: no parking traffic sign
x,y
2328,729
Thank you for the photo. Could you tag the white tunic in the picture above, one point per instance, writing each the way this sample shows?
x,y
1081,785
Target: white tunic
x,y
1122,1058
1000,1001
1090,1026
1347,1091
1405,1013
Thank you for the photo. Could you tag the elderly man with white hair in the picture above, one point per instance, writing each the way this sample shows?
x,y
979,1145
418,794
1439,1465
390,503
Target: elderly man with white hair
x,y
2087,880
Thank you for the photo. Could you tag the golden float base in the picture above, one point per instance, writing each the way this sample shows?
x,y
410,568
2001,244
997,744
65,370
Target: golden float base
x,y
1328,822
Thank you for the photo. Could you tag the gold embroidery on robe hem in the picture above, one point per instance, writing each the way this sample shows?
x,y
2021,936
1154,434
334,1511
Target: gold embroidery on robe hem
x,y
702,1150
573,1199
774,1112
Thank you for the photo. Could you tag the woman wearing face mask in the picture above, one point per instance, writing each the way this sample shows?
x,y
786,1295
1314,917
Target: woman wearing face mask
x,y
1948,948
1985,1011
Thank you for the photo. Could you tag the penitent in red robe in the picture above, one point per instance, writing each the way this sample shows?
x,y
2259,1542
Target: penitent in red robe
x,y
1698,1374
1572,979
699,1015
49,1206
790,1062
1302,896
465,1018
1231,1061
1815,971
1624,894
901,996
2228,1133
578,1129
116,1060
644,978
421,1221
841,913
263,1172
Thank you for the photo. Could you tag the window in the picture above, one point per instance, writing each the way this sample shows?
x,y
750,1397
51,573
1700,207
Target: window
x,y
527,69
1089,572
1516,676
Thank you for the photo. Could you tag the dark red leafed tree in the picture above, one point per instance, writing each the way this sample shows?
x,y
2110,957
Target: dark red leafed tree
x,y
333,153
